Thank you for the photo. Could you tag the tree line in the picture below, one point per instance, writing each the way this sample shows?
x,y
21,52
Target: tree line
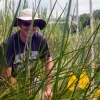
x,y
84,21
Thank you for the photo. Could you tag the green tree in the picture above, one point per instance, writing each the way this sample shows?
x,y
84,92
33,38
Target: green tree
x,y
96,14
84,20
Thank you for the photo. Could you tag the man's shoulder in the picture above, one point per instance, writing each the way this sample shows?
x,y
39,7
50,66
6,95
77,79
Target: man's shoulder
x,y
13,38
14,35
38,34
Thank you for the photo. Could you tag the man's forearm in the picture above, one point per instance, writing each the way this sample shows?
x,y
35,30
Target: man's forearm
x,y
6,74
49,73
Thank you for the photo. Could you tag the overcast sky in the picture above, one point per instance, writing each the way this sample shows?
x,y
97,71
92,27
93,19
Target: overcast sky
x,y
83,5
82,8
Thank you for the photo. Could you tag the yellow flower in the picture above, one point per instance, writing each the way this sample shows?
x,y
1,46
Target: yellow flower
x,y
97,93
71,83
83,81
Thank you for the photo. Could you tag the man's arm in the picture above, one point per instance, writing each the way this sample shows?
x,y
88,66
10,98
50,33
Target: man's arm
x,y
6,74
48,88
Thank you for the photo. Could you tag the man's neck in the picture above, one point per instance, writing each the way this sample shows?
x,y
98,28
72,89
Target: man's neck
x,y
23,38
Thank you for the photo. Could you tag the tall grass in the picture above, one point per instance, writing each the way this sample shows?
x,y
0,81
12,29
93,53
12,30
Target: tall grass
x,y
70,58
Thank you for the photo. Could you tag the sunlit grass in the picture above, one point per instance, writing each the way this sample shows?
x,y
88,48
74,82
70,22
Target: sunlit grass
x,y
70,59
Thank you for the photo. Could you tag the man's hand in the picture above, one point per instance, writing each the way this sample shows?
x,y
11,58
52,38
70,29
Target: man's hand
x,y
48,88
48,94
13,81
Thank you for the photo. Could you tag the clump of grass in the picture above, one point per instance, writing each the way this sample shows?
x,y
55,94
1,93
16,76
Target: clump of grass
x,y
69,57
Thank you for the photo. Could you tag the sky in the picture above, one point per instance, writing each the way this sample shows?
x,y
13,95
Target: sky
x,y
82,8
83,5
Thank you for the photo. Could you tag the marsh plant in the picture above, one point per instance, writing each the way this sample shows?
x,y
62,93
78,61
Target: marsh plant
x,y
73,78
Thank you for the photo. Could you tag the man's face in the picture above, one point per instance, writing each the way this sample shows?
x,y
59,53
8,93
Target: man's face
x,y
25,27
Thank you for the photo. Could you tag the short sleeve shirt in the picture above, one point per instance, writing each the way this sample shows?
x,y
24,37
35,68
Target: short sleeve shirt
x,y
0,49
17,49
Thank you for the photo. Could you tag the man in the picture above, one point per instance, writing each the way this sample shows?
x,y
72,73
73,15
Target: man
x,y
19,46
0,55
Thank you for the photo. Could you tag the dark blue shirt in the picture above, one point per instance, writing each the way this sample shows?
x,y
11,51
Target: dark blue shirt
x,y
0,54
17,50
0,49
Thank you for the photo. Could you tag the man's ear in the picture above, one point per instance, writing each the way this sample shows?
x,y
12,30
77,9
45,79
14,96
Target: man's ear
x,y
19,23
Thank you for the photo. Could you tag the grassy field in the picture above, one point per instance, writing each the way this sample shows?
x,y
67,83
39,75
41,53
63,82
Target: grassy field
x,y
72,79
